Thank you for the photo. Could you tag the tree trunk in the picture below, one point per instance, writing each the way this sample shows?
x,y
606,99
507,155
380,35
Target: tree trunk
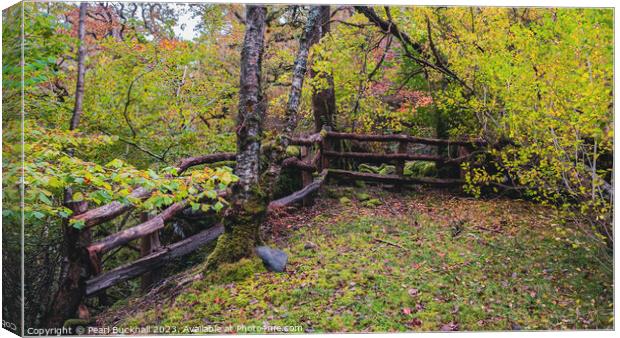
x,y
248,204
75,271
324,100
81,69
76,265
309,37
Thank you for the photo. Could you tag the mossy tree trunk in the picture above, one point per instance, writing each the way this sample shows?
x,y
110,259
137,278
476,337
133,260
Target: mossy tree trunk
x,y
249,203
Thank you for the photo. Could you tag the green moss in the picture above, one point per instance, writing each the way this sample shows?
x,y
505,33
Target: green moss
x,y
120,304
345,200
362,196
241,231
373,202
234,272
234,244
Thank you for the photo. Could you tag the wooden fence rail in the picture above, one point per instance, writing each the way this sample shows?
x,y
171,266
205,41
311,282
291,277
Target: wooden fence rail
x,y
402,137
152,261
385,157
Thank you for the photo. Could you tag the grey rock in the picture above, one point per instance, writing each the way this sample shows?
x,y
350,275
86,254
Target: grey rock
x,y
274,259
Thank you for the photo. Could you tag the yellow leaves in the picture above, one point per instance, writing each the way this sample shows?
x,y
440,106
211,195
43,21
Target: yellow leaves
x,y
78,196
547,83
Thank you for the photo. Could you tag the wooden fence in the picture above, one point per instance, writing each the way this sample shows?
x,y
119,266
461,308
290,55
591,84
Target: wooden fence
x,y
316,155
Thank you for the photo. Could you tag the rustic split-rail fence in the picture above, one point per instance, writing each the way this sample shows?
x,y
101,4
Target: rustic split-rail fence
x,y
317,153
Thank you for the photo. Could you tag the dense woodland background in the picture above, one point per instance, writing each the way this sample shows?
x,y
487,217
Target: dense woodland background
x,y
535,84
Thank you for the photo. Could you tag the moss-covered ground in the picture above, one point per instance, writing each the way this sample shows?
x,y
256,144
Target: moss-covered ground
x,y
409,261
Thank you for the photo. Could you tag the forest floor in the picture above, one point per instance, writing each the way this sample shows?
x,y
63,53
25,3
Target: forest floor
x,y
369,260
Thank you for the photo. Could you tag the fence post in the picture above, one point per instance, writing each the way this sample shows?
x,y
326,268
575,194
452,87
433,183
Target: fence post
x,y
325,146
462,151
306,177
149,244
400,164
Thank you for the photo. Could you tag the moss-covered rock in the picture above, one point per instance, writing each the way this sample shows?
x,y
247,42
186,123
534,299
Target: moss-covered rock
x,y
345,200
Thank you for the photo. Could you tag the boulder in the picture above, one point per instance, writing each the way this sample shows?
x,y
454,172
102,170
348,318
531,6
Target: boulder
x,y
273,259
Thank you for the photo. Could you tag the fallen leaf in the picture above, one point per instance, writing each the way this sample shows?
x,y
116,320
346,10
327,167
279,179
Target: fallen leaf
x,y
451,326
415,322
413,292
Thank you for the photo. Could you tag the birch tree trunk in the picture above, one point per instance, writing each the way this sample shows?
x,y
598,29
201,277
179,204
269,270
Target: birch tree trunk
x,y
249,203
309,37
275,153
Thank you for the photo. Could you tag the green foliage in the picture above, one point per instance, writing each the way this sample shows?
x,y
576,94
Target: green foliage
x,y
383,169
149,100
348,56
49,170
165,100
540,78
